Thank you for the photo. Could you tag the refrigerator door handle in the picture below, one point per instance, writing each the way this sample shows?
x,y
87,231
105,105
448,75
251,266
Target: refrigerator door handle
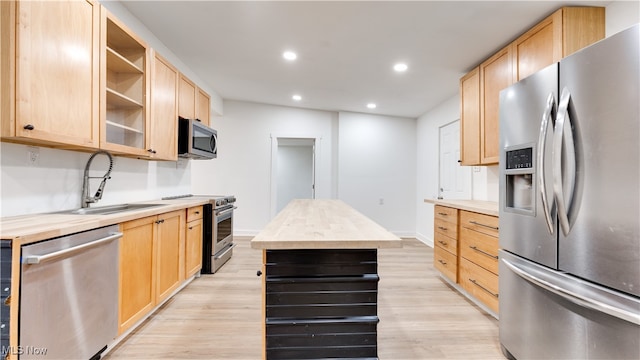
x,y
575,298
549,113
559,136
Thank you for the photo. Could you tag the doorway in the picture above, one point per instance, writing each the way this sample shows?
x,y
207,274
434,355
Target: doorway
x,y
293,171
454,179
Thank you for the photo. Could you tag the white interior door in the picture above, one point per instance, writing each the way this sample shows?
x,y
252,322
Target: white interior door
x,y
455,180
295,171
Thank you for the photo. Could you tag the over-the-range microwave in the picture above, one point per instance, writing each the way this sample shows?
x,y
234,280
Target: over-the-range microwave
x,y
196,140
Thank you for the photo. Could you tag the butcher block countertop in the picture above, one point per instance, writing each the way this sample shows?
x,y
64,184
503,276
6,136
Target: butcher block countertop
x,y
478,206
35,227
323,224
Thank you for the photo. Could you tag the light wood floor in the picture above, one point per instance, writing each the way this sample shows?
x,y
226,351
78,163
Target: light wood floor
x,y
219,317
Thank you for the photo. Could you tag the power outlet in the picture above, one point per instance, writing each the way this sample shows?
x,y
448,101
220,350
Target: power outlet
x,y
33,156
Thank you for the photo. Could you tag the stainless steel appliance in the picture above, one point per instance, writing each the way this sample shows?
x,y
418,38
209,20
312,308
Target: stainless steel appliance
x,y
196,140
570,206
69,295
217,245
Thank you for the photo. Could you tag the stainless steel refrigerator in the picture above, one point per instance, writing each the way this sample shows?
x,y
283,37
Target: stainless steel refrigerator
x,y
570,207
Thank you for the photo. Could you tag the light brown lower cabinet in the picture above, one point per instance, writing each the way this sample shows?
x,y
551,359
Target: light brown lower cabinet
x,y
466,252
151,264
193,242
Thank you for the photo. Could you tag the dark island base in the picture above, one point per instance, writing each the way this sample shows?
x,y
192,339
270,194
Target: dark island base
x,y
321,304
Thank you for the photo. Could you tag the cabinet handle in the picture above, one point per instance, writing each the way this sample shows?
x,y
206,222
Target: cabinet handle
x,y
444,243
151,151
443,214
442,228
197,212
259,273
483,288
484,252
29,127
484,225
442,262
160,221
190,227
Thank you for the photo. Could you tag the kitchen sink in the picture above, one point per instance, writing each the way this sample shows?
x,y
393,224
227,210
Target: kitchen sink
x,y
112,209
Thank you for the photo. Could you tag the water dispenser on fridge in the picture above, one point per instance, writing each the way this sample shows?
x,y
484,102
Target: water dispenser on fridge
x,y
520,185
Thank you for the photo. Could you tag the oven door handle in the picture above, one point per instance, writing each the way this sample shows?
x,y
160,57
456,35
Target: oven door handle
x,y
216,256
224,212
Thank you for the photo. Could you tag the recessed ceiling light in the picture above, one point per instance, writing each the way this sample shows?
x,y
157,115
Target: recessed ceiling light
x,y
372,105
296,97
289,55
400,67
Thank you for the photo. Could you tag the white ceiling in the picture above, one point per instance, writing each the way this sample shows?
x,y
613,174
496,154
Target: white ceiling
x,y
346,50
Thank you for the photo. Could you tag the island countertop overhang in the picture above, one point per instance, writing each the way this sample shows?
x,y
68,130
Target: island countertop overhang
x,y
323,224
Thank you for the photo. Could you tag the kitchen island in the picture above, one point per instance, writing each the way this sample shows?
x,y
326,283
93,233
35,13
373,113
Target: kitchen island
x,y
320,281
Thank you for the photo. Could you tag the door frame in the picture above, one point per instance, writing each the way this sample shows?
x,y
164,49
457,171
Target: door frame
x,y
275,137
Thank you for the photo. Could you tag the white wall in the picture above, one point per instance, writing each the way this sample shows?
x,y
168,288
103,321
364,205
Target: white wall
x,y
621,15
243,166
377,164
294,174
55,182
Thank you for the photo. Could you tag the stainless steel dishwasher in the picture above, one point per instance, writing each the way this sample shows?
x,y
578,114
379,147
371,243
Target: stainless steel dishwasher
x,y
69,295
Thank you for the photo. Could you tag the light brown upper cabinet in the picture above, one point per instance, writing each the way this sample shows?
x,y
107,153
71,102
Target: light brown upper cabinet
x,y
193,102
470,118
203,107
564,32
49,73
495,75
187,98
163,127
124,89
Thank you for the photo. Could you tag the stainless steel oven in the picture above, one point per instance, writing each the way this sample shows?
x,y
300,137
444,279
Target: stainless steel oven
x,y
222,234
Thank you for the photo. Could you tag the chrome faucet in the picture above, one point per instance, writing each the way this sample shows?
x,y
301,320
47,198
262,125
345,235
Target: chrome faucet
x,y
86,199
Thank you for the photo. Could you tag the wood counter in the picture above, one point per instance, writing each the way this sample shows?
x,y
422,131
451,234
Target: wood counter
x,y
320,281
323,224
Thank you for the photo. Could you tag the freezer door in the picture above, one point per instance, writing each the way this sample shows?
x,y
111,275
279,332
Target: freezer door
x,y
527,109
545,314
599,200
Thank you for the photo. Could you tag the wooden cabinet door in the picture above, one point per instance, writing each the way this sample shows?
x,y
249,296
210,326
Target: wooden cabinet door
x,y
137,275
193,248
169,254
53,51
203,109
186,98
495,75
539,47
164,110
470,118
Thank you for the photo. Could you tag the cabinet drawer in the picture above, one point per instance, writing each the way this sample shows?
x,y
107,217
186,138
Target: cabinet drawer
x,y
479,248
445,242
446,263
194,213
485,224
446,214
480,283
445,228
